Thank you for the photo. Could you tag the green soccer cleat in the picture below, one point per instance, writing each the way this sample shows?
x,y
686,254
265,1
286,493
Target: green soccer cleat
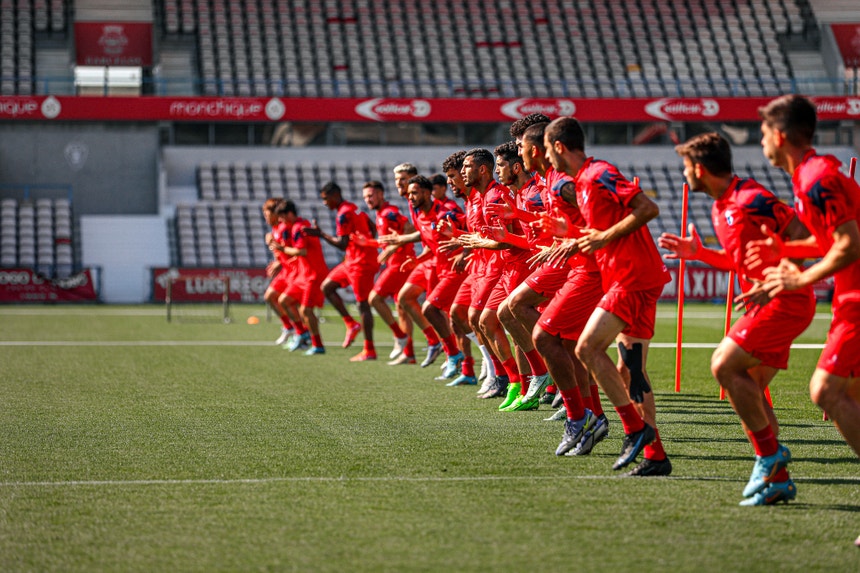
x,y
513,394
525,404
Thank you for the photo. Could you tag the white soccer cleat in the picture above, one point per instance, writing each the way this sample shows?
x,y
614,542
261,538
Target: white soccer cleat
x,y
285,334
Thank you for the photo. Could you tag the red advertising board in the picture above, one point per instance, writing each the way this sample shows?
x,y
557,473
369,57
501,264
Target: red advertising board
x,y
708,284
213,109
25,285
196,284
848,39
113,43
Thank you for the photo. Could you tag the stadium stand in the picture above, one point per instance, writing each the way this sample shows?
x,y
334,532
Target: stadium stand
x,y
38,235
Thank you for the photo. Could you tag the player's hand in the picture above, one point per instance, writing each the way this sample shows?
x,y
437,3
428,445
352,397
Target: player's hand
x,y
591,240
681,247
408,265
756,297
502,211
764,251
460,262
539,258
562,251
785,276
444,228
273,268
314,230
449,246
548,225
390,239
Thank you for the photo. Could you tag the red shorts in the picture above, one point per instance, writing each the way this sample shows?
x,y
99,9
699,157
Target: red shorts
x,y
423,275
638,308
767,333
840,356
569,310
547,280
483,286
390,281
464,293
311,292
445,291
360,279
281,281
512,277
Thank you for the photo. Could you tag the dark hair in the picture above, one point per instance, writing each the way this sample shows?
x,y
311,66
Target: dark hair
x,y
534,135
711,150
568,131
421,181
439,179
331,188
271,203
521,125
454,161
794,115
374,184
284,207
508,152
481,157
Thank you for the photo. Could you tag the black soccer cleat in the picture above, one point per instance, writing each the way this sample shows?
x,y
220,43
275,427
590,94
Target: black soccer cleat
x,y
651,468
633,445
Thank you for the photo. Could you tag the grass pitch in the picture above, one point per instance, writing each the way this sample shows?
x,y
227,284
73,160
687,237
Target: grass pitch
x,y
130,444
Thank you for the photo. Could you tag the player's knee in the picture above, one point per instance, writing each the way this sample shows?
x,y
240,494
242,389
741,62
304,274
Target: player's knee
x,y
541,339
586,351
823,394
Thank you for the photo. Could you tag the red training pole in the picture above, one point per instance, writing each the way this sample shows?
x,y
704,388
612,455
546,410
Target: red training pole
x,y
679,333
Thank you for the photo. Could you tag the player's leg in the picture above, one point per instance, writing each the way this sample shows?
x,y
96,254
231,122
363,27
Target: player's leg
x,y
361,280
839,396
462,330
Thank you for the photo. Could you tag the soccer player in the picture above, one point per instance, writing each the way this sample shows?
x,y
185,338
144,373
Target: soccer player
x,y
616,214
428,214
312,270
273,269
390,220
357,270
828,204
758,344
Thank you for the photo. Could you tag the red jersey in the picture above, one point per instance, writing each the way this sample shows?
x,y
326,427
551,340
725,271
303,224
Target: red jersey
x,y
824,199
604,196
558,205
350,220
738,216
425,224
312,266
495,193
530,198
281,234
389,220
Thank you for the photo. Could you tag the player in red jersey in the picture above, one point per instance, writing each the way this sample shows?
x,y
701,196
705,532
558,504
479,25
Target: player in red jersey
x,y
428,214
311,271
283,293
390,220
758,344
828,204
616,214
358,268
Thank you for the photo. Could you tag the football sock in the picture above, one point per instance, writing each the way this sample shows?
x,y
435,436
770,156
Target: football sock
x,y
498,367
474,338
551,389
409,351
764,441
654,451
468,366
316,340
573,403
449,343
288,324
537,364
510,367
396,330
300,327
368,347
596,406
432,338
485,353
630,418
349,321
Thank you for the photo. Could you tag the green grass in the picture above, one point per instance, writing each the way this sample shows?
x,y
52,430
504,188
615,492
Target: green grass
x,y
130,444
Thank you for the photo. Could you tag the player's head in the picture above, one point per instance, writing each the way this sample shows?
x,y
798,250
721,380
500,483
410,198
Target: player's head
x,y
519,127
478,165
331,195
562,136
269,210
508,163
452,166
789,119
419,192
707,151
373,193
402,174
440,185
286,211
532,149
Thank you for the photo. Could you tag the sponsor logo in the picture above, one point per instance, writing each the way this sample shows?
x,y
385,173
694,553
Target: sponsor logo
x,y
51,107
671,109
238,109
380,109
18,278
18,107
552,107
113,40
839,106
275,109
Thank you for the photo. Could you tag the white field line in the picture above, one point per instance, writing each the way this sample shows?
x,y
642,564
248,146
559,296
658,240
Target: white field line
x,y
26,343
344,479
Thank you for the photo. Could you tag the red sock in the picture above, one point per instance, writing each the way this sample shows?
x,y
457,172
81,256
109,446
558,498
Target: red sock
x,y
510,367
781,476
536,362
654,451
288,324
316,340
349,321
596,406
432,338
398,332
449,344
368,347
300,327
551,389
409,351
573,403
468,366
764,441
630,418
497,365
